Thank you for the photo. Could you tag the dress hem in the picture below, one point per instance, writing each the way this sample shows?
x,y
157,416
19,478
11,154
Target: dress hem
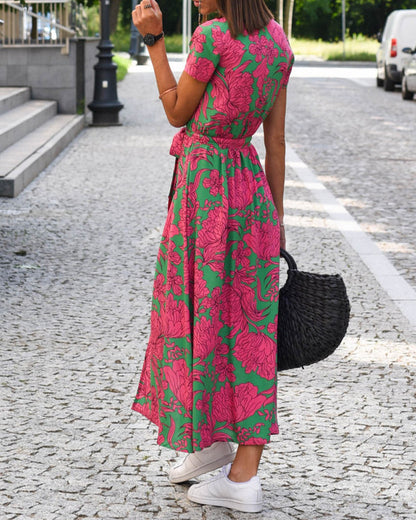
x,y
136,407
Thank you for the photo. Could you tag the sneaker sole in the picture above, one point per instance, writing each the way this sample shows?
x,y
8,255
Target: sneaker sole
x,y
204,469
255,507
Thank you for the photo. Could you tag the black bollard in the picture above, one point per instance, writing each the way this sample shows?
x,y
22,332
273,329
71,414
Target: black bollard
x,y
105,105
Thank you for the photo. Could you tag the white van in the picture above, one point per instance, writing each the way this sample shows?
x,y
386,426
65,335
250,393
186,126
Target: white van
x,y
399,32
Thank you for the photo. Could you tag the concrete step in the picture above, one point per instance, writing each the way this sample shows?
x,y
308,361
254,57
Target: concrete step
x,y
11,97
24,160
21,120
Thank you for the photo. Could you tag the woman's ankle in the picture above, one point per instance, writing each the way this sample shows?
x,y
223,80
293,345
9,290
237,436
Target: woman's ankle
x,y
237,475
246,463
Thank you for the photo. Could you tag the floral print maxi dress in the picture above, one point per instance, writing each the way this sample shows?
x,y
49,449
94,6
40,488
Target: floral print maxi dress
x,y
210,367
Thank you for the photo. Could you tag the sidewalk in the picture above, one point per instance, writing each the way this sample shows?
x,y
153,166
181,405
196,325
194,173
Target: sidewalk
x,y
76,269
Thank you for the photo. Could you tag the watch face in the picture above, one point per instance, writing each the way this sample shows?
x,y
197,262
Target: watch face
x,y
149,39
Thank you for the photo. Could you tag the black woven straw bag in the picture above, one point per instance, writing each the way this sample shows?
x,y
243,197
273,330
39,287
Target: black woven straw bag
x,y
314,312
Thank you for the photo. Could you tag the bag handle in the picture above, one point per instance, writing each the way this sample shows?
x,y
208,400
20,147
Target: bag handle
x,y
289,260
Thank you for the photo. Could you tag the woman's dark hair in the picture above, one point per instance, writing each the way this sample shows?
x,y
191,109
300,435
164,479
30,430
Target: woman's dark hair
x,y
245,15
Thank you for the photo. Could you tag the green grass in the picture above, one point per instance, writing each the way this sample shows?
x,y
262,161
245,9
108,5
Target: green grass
x,y
122,66
173,43
121,40
357,48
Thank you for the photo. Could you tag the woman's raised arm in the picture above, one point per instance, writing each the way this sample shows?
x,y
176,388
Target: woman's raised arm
x,y
179,100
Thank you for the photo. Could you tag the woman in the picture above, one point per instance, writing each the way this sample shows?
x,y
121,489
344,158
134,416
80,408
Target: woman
x,y
209,376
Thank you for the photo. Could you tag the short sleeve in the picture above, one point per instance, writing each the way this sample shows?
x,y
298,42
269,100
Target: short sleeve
x,y
202,61
288,70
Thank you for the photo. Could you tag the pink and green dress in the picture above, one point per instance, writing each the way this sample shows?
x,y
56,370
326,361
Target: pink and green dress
x,y
210,369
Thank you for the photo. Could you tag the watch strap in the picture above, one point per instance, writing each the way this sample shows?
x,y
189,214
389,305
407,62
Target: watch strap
x,y
150,39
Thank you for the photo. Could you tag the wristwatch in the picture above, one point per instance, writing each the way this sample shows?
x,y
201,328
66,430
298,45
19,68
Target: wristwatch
x,y
151,39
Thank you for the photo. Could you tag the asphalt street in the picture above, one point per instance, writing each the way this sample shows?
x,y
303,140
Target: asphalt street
x,y
78,249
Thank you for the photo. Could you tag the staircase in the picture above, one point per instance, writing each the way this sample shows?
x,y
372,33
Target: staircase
x,y
32,134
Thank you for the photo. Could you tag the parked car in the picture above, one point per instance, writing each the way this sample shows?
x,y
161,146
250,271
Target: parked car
x,y
399,32
409,73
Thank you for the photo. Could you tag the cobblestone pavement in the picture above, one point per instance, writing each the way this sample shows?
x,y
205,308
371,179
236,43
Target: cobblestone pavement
x,y
76,267
360,142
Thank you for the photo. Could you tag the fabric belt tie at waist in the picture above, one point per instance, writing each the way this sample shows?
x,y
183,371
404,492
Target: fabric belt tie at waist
x,y
186,138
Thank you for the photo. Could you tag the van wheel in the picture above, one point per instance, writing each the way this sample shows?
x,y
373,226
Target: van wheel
x,y
388,83
406,94
380,82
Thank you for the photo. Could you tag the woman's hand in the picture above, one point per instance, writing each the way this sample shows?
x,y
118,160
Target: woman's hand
x,y
181,102
148,20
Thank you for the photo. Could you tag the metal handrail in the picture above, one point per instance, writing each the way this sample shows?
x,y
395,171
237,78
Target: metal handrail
x,y
40,17
47,16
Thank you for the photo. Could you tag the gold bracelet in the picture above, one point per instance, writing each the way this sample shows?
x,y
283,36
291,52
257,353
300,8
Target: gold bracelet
x,y
167,91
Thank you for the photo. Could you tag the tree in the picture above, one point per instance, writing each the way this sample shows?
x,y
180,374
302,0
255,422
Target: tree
x,y
279,11
284,15
318,19
114,10
322,18
288,19
171,9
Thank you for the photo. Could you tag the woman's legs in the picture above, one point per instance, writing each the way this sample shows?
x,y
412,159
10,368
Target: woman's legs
x,y
246,463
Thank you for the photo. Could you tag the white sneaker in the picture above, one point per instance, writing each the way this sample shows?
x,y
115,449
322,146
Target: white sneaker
x,y
203,461
221,491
